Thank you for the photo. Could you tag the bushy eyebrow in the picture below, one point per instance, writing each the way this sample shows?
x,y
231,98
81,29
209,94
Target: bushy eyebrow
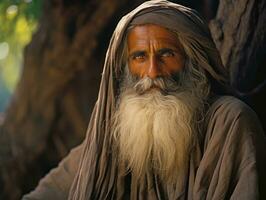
x,y
143,52
165,50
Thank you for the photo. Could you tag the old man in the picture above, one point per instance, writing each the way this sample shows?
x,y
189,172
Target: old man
x,y
166,124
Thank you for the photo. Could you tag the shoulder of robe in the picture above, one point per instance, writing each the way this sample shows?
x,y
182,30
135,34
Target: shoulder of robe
x,y
232,123
231,108
233,149
227,111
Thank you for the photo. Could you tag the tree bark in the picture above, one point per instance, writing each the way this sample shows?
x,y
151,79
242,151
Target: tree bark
x,y
50,110
239,31
58,88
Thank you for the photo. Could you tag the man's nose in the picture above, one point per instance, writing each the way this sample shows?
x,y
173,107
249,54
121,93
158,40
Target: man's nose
x,y
154,70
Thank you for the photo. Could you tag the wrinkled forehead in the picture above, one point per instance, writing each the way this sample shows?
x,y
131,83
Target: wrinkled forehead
x,y
151,34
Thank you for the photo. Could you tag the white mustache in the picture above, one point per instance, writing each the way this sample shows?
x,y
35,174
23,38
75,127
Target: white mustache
x,y
165,85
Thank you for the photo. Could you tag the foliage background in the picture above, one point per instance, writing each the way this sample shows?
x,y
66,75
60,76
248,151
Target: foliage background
x,y
18,21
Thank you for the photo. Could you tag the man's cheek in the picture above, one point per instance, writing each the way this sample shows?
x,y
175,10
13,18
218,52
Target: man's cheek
x,y
136,69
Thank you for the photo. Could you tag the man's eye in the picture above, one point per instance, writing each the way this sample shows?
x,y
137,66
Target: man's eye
x,y
167,53
138,56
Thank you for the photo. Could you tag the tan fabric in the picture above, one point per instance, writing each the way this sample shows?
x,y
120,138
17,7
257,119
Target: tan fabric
x,y
229,164
56,184
226,164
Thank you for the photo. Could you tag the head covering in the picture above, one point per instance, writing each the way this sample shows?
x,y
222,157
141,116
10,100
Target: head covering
x,y
98,175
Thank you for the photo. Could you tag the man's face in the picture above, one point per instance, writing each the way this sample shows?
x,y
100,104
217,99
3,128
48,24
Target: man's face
x,y
153,52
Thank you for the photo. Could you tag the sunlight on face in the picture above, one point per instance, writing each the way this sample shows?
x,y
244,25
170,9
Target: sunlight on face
x,y
154,51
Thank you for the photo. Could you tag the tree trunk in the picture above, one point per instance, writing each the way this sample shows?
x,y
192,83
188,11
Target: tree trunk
x,y
59,83
239,31
58,88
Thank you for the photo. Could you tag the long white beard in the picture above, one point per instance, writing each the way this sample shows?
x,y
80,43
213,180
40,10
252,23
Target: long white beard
x,y
155,131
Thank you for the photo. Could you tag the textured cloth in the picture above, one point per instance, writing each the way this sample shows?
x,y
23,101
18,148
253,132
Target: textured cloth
x,y
229,163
